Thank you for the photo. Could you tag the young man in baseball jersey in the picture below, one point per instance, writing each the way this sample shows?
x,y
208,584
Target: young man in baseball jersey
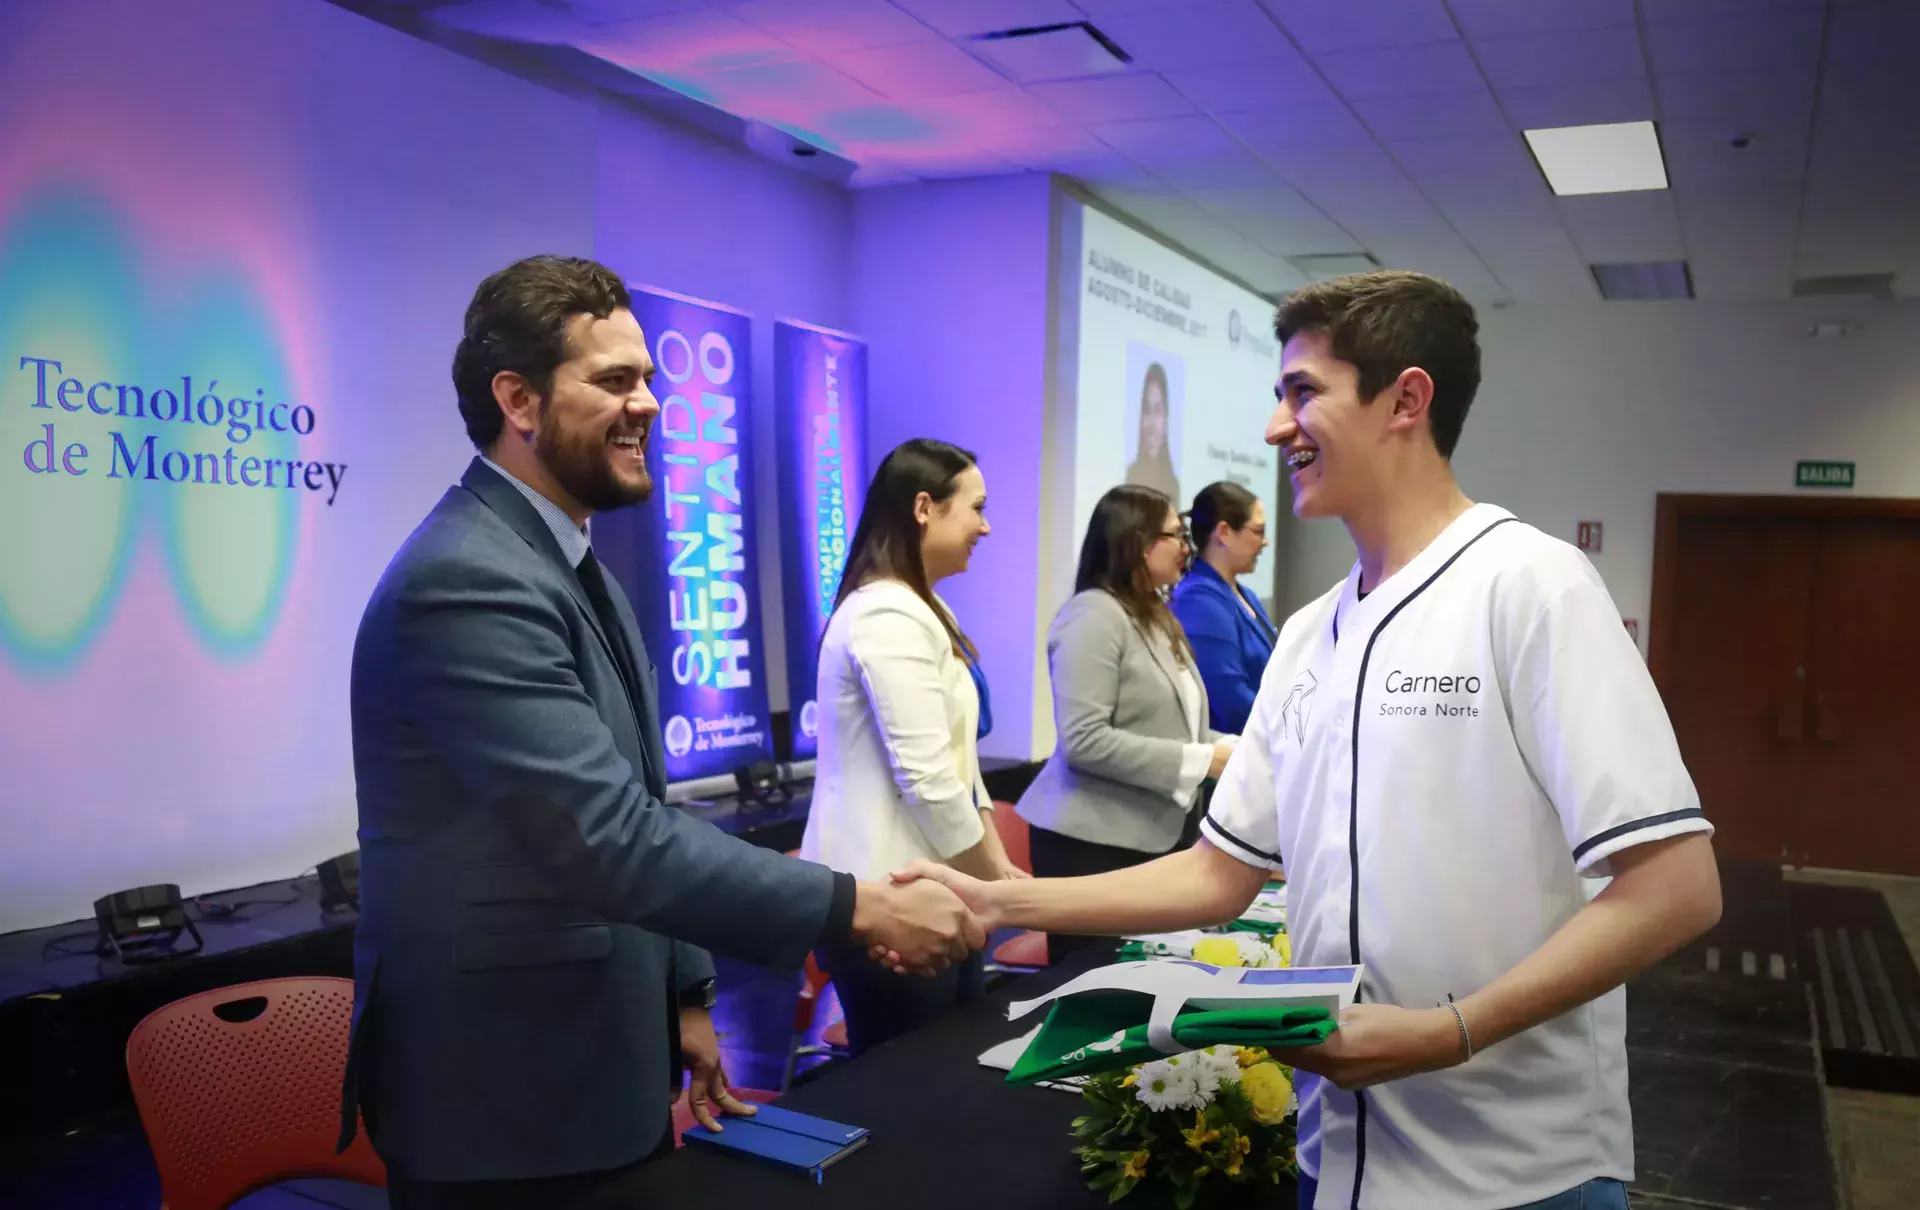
x,y
1447,748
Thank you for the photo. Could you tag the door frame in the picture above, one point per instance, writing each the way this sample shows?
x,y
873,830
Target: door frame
x,y
1671,508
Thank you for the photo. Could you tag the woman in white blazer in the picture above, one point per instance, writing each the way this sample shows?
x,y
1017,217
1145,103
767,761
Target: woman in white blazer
x,y
1128,705
898,772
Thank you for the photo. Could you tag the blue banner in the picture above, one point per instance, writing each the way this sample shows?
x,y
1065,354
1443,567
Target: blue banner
x,y
686,556
820,409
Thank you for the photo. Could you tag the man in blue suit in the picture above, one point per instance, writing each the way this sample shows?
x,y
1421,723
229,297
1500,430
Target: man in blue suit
x,y
1231,634
529,974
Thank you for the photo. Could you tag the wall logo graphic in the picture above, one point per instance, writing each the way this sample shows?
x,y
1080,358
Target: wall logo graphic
x,y
679,736
140,403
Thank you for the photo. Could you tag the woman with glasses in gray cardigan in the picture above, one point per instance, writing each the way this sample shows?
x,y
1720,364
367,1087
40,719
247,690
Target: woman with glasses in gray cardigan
x,y
1129,709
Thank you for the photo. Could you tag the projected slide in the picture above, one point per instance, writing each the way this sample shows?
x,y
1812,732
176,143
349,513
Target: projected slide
x,y
1175,377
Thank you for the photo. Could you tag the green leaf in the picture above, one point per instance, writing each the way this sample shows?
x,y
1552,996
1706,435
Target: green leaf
x,y
1183,1199
1126,1186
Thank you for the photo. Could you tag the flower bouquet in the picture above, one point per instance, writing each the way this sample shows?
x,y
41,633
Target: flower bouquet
x,y
1191,1127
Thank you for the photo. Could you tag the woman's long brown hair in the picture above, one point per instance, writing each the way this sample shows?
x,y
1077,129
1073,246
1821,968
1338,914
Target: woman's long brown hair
x,y
1128,520
886,542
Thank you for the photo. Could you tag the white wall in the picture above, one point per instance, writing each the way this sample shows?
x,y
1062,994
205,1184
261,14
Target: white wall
x,y
951,288
1589,413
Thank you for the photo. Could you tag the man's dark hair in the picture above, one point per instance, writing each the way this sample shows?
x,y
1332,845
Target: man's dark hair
x,y
518,321
1387,321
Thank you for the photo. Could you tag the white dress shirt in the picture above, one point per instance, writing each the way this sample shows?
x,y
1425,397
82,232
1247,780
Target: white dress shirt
x,y
897,775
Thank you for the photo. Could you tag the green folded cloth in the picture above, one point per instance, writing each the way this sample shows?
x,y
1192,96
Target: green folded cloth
x,y
1106,1031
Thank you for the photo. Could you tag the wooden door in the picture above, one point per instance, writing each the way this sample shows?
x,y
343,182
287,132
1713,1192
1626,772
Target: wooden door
x,y
1860,810
1734,687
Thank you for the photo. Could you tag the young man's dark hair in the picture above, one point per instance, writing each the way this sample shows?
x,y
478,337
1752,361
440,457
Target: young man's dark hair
x,y
517,321
1388,321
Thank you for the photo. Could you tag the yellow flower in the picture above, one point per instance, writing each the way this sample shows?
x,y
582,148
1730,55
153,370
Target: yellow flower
x,y
1137,1166
1283,946
1133,1078
1200,1136
1242,1146
1217,951
1269,1090
1250,1055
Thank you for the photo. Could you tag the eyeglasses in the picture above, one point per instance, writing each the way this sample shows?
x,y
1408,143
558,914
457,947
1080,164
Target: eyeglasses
x,y
1178,535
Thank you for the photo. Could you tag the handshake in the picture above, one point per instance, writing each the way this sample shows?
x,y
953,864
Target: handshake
x,y
925,918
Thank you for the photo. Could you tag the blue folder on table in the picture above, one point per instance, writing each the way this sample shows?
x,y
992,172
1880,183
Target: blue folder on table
x,y
781,1136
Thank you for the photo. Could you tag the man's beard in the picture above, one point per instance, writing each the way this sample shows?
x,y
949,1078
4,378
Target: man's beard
x,y
583,467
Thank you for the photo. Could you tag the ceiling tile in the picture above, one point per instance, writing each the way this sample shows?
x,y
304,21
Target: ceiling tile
x,y
917,69
1402,71
1394,118
1307,168
793,89
1264,84
1701,156
1297,126
1235,169
1738,246
1674,10
1589,103
989,115
1102,10
826,26
686,44
1487,213
1542,267
1845,231
1735,97
1199,34
1611,228
1498,160
960,18
1496,18
1112,98
1375,208
1561,57
1194,135
600,12
1278,218
1061,147
1444,255
1873,33
1785,39
1334,25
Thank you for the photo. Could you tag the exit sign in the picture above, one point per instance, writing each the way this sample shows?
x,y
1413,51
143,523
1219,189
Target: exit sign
x,y
1823,474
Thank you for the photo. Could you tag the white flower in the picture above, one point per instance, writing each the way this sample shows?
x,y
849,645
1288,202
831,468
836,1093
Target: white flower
x,y
1164,1086
1223,1062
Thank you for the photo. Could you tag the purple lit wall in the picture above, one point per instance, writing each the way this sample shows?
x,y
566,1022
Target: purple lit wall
x,y
289,206
676,209
953,286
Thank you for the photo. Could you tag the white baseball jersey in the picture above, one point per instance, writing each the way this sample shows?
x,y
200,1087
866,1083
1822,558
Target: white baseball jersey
x,y
1436,766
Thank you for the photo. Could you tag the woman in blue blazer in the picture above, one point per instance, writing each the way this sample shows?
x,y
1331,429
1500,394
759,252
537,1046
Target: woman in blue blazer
x,y
1231,634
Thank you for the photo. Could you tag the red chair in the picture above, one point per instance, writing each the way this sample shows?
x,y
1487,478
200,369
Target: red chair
x,y
833,1040
239,1088
683,1116
1028,950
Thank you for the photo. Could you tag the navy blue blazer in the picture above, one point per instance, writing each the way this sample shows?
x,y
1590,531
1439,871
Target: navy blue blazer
x,y
530,908
1231,648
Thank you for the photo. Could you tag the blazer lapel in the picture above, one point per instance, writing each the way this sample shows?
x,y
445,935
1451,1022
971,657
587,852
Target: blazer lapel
x,y
646,690
1167,670
513,508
